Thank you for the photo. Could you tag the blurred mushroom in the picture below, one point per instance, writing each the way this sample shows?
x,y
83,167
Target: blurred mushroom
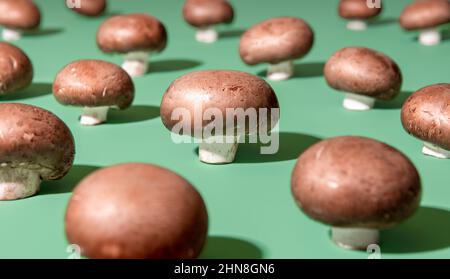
x,y
358,12
16,70
88,7
18,16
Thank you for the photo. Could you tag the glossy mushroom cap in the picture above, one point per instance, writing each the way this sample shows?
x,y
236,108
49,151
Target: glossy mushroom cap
x,y
93,83
16,70
357,9
19,14
130,33
365,72
423,14
426,115
136,211
356,182
204,13
90,7
276,40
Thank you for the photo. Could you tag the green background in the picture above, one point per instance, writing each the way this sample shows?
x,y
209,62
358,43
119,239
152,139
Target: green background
x,y
252,213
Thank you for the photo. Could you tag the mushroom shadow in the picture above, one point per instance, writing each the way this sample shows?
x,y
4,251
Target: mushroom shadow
x,y
68,182
44,31
396,103
382,21
219,247
137,113
303,70
427,230
232,33
172,65
446,34
35,90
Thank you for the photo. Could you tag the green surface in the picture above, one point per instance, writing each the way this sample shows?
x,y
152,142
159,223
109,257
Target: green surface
x,y
252,213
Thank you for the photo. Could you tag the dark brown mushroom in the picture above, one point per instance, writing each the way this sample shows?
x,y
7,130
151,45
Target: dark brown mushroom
x,y
90,8
18,16
16,70
358,12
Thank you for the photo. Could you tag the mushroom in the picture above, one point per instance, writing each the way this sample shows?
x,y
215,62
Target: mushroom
x,y
88,7
358,12
426,16
35,145
426,115
356,185
277,41
136,211
219,99
16,70
365,75
136,36
205,15
18,16
94,85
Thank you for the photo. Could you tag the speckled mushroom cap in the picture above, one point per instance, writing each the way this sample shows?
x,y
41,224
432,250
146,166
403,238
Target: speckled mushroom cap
x,y
276,40
132,32
216,89
204,13
93,83
357,9
136,211
90,7
356,182
16,70
426,114
424,14
364,71
35,139
19,14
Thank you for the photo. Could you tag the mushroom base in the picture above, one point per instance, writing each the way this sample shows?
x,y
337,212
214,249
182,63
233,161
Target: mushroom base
x,y
11,35
93,115
430,37
280,71
355,238
218,150
358,102
206,35
357,25
136,63
435,151
18,183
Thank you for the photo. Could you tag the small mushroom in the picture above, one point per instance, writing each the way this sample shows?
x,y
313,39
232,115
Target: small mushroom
x,y
426,115
356,185
136,211
205,15
90,8
35,145
18,16
365,75
206,98
426,16
277,41
16,70
357,12
136,36
94,85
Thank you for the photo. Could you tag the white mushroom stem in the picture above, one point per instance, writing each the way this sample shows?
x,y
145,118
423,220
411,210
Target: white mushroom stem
x,y
206,35
136,63
93,115
280,71
435,151
218,149
11,35
430,37
357,25
355,238
18,183
358,102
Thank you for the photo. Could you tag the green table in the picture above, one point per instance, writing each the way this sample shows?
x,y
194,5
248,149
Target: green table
x,y
252,213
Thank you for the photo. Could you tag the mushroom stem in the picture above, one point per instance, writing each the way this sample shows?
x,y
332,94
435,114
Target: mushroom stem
x,y
280,71
11,34
358,102
206,35
136,63
435,151
357,25
93,115
430,37
18,183
355,238
218,149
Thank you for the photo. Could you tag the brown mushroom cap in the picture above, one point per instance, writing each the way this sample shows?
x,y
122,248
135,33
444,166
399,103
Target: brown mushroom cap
x,y
356,182
19,14
220,89
424,14
91,7
93,83
35,139
16,70
204,13
364,71
136,210
426,114
276,40
357,9
132,32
